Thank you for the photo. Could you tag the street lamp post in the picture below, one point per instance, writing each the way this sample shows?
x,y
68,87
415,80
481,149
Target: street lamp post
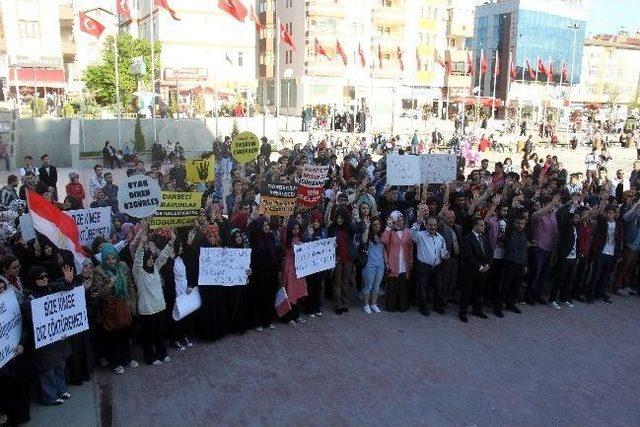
x,y
288,75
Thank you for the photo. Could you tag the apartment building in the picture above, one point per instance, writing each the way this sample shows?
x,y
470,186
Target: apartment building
x,y
37,46
389,47
610,70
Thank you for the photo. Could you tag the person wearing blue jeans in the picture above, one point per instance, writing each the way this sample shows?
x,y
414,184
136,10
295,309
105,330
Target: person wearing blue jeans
x,y
374,268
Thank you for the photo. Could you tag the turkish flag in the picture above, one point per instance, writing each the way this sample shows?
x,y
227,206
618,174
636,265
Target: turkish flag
x,y
399,55
340,51
418,60
165,5
471,68
234,8
541,67
361,54
512,70
379,56
320,50
550,71
286,38
532,74
564,72
123,11
254,17
437,59
483,63
90,25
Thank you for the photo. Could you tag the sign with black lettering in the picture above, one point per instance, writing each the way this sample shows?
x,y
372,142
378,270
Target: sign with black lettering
x,y
58,316
278,199
177,209
92,223
139,196
10,325
245,147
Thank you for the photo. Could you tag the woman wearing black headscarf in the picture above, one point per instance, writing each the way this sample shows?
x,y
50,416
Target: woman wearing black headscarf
x,y
265,264
241,318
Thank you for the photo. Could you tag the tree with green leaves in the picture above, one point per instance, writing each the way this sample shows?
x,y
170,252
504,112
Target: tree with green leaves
x,y
138,137
234,129
100,78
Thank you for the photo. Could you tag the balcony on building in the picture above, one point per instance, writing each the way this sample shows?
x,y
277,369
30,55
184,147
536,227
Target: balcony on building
x,y
326,8
389,12
322,67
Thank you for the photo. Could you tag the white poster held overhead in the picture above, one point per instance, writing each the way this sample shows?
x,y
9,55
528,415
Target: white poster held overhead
x,y
438,168
403,170
139,196
10,325
92,223
26,227
187,304
316,256
223,266
58,316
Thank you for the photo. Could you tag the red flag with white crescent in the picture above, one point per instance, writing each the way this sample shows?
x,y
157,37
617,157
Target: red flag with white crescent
x,y
361,54
550,71
532,74
254,17
512,70
471,67
341,52
90,25
400,61
123,11
565,72
319,50
286,38
165,5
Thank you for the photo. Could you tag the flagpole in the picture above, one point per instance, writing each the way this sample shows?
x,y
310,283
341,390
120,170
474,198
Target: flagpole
x,y
215,99
536,82
117,67
277,75
495,76
446,76
508,92
475,125
153,74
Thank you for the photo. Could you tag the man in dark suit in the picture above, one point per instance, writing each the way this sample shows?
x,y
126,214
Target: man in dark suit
x,y
49,175
476,257
449,271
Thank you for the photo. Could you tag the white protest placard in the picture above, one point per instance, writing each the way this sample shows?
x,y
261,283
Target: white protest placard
x,y
58,316
316,256
187,304
139,196
92,222
10,325
224,266
403,170
26,227
314,176
438,168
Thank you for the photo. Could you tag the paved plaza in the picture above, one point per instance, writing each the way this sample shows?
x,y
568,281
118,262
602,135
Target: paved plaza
x,y
544,367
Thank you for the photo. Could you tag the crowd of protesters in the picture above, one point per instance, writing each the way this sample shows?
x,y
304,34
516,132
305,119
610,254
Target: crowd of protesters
x,y
501,238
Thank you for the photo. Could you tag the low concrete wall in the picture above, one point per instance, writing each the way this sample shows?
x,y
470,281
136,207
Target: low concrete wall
x,y
38,136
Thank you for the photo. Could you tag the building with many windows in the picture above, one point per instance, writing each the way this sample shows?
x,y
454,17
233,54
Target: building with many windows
x,y
525,32
610,71
389,48
36,48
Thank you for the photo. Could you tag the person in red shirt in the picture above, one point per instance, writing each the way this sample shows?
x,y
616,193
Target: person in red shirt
x,y
75,189
484,144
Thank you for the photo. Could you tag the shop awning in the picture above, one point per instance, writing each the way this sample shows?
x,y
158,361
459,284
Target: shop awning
x,y
39,77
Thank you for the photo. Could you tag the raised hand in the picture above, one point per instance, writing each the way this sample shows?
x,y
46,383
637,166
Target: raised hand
x,y
67,272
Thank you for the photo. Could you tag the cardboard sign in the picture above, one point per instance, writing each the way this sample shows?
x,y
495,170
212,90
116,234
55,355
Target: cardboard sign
x,y
278,199
310,190
92,222
177,209
438,168
10,325
26,227
223,266
316,256
139,196
58,316
245,147
403,170
201,170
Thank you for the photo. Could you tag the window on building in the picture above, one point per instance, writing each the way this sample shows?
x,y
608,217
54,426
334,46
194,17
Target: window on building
x,y
289,3
240,59
29,29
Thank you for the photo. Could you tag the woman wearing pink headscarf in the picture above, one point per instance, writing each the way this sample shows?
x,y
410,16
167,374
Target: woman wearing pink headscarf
x,y
397,241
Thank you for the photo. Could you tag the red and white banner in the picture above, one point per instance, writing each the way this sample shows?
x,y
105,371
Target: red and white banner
x,y
90,25
234,8
56,226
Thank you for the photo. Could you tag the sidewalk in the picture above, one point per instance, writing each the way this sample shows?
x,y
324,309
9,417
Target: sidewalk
x,y
79,411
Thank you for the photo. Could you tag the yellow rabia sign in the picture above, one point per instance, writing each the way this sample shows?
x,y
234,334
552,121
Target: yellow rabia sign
x,y
177,209
201,170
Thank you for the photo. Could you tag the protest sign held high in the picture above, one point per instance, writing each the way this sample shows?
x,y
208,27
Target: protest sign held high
x,y
278,199
92,222
58,316
10,325
139,196
201,170
245,147
403,170
177,209
316,256
310,190
438,168
26,227
223,266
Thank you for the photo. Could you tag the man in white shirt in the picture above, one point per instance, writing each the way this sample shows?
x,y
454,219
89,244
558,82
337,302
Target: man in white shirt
x,y
431,251
97,181
621,181
591,161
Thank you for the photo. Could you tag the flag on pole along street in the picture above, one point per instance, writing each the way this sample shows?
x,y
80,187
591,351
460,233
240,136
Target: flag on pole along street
x,y
550,71
286,38
254,17
437,58
379,56
282,304
59,228
399,55
497,65
564,71
177,209
483,63
541,67
90,25
201,170
418,60
341,52
165,5
10,325
234,8
471,67
123,12
58,316
319,50
361,54
532,74
513,71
